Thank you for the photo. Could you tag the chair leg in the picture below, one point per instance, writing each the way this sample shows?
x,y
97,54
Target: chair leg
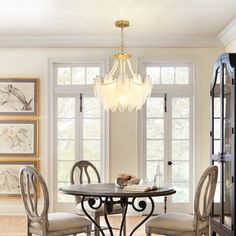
x,y
149,234
124,227
96,230
89,231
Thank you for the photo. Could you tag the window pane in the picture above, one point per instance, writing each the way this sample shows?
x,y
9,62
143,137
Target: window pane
x,y
91,108
151,170
180,129
154,73
167,75
216,128
181,75
78,75
155,149
91,129
93,175
180,172
155,107
91,149
66,128
216,146
91,74
155,129
64,75
66,150
180,107
180,150
66,107
217,107
63,171
64,197
182,192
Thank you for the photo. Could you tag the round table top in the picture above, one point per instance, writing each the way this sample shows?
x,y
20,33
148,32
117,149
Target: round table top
x,y
110,190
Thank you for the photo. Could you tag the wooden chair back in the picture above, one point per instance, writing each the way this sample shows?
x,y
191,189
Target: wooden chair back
x,y
30,182
205,194
84,168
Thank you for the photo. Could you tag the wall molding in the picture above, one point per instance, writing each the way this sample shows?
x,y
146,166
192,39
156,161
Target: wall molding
x,y
73,41
228,34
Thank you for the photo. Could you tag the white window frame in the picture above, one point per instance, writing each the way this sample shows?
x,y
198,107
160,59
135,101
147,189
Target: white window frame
x,y
55,91
172,90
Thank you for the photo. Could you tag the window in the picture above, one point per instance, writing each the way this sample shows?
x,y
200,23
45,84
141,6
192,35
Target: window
x,y
167,129
79,123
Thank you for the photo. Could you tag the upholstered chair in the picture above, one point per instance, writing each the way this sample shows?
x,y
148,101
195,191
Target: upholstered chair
x,y
186,224
85,172
40,222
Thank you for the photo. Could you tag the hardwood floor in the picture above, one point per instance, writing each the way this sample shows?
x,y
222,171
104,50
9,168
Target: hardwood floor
x,y
16,225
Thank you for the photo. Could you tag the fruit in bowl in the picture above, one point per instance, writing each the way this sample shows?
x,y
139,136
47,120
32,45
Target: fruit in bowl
x,y
124,179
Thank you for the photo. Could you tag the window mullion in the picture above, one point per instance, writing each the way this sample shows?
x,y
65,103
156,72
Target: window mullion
x,y
78,130
167,138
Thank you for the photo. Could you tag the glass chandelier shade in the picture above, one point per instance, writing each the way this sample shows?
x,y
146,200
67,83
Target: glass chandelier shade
x,y
121,88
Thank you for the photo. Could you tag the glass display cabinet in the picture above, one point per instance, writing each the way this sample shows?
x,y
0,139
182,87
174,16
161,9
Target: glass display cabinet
x,y
222,138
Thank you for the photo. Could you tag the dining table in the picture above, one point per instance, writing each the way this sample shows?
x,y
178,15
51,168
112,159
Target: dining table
x,y
109,195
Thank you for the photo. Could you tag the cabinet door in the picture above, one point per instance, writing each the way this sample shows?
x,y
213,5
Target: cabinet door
x,y
221,145
216,147
227,135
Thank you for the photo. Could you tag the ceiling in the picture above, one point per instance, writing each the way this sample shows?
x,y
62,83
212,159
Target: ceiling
x,y
150,20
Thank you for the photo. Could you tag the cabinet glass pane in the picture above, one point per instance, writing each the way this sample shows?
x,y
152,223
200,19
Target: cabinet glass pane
x,y
217,204
216,115
227,113
228,193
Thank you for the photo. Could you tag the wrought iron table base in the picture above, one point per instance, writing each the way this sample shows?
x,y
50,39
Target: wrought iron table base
x,y
139,205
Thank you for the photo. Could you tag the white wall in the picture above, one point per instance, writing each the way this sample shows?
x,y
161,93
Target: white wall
x,y
25,62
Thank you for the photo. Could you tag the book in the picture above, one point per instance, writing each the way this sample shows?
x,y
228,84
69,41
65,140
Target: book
x,y
139,188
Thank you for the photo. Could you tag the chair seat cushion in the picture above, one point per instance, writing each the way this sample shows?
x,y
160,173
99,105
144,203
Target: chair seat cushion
x,y
116,208
174,221
60,221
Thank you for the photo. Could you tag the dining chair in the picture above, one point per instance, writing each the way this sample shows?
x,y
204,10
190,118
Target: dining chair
x,y
84,171
186,224
40,222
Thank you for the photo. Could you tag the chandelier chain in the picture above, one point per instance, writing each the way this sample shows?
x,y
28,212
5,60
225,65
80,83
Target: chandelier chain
x,y
122,40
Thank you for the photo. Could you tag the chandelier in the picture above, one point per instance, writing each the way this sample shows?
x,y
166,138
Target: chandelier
x,y
121,88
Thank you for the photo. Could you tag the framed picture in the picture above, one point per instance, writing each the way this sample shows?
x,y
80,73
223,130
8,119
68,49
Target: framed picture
x,y
19,97
9,176
19,138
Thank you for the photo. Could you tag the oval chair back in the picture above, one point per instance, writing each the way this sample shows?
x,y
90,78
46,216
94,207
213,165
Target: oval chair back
x,y
81,173
30,182
204,195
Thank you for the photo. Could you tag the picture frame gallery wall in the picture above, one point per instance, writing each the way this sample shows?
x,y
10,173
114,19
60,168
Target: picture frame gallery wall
x,y
19,131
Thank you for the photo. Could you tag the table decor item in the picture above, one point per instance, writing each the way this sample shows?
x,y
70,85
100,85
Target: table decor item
x,y
140,188
125,179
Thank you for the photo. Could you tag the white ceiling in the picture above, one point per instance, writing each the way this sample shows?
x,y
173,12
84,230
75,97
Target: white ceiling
x,y
94,19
